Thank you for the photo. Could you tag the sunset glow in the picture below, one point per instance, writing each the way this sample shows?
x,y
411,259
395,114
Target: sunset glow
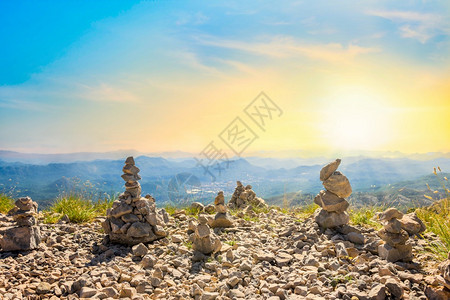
x,y
166,76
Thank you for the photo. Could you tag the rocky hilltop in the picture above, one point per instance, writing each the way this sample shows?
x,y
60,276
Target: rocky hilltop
x,y
257,253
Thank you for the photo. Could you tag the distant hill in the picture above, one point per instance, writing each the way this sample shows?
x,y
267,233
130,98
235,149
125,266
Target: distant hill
x,y
44,182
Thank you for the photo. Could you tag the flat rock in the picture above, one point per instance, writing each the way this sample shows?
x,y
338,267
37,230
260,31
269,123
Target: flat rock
x,y
222,220
331,202
389,214
331,219
329,169
19,238
412,224
399,253
393,239
338,184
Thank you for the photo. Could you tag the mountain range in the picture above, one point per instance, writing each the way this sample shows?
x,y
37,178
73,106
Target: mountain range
x,y
178,179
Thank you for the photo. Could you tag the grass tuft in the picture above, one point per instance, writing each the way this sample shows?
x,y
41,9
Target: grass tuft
x,y
6,203
78,208
365,216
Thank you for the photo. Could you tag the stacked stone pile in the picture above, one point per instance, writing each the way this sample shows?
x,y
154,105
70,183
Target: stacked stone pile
x,y
332,199
26,235
245,196
134,219
222,218
396,246
203,239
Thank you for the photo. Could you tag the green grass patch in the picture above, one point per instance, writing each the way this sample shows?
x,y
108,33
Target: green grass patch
x,y
77,208
365,216
306,211
438,222
6,203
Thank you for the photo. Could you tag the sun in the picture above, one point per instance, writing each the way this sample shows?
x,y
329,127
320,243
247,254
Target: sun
x,y
356,120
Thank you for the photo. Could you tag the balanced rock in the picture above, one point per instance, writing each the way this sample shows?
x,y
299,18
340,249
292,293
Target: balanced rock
x,y
134,219
244,196
204,240
222,218
396,246
412,224
338,184
26,235
332,200
329,169
327,219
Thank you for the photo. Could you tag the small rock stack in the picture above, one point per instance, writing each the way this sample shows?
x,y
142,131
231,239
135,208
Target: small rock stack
x,y
332,199
26,235
204,240
222,218
396,246
134,219
245,196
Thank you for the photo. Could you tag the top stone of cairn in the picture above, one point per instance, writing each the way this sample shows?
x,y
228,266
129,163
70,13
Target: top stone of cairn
x,y
329,169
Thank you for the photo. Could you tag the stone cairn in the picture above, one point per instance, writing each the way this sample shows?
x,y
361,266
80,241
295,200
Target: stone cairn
x,y
396,246
134,219
245,196
222,218
204,240
332,199
26,235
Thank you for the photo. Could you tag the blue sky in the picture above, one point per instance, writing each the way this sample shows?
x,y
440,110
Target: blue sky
x,y
70,71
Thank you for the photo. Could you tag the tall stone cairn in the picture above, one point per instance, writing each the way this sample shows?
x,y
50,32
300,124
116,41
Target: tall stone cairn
x,y
332,199
134,219
222,218
245,196
26,235
396,246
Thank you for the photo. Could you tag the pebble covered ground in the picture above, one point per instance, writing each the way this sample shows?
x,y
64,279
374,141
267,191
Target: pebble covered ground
x,y
269,256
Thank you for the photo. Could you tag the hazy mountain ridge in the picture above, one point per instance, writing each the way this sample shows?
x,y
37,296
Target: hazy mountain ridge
x,y
368,175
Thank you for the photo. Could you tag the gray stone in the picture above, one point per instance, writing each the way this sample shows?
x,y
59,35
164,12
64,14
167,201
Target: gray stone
x,y
389,214
121,210
43,288
412,224
394,288
139,250
222,220
377,293
138,229
19,238
331,202
393,239
329,169
393,226
87,292
130,218
331,219
338,184
399,253
356,238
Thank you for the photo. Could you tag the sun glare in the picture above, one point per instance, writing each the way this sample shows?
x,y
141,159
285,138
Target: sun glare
x,y
356,120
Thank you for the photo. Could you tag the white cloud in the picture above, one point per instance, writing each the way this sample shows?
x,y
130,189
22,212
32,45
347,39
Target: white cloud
x,y
285,47
419,26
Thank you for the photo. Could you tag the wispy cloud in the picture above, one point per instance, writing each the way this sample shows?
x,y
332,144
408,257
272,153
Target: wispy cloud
x,y
105,92
19,104
415,25
285,47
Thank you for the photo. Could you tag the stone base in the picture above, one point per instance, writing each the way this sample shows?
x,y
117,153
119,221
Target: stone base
x,y
222,220
19,238
131,241
327,219
399,253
